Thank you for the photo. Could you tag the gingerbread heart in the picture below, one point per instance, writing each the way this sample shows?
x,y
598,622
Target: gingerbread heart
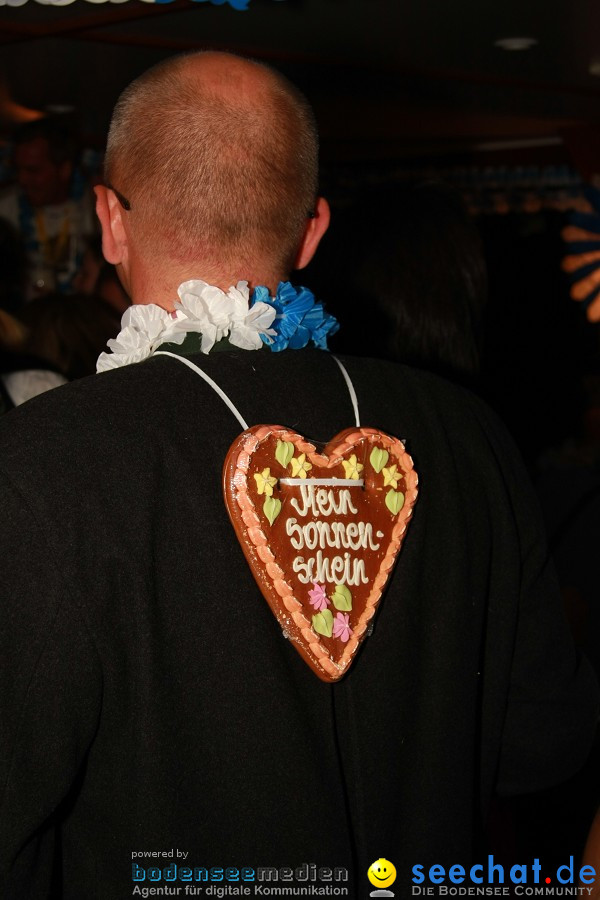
x,y
320,531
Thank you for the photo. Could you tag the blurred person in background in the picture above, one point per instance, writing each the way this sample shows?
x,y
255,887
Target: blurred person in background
x,y
70,331
416,279
13,268
57,339
23,374
96,276
50,208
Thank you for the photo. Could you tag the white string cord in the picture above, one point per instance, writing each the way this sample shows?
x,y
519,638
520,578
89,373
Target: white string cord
x,y
208,380
231,405
353,396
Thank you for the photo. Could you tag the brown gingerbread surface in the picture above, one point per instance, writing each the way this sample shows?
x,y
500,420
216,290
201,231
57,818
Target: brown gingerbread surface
x,y
321,531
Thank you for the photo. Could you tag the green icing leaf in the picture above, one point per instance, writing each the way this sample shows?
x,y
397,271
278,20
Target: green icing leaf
x,y
342,598
284,452
272,508
394,500
379,458
323,622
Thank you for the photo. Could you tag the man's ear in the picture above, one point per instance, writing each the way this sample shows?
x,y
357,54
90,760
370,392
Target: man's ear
x,y
114,237
314,231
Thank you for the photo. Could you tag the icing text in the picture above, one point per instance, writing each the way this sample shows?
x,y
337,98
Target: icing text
x,y
316,535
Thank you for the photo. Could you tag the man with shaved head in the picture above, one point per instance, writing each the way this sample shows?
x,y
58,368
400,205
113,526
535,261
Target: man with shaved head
x,y
161,735
217,158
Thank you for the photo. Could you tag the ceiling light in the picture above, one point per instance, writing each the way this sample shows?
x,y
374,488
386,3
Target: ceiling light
x,y
516,43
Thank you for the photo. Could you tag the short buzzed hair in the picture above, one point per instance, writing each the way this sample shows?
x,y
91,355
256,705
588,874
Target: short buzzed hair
x,y
210,174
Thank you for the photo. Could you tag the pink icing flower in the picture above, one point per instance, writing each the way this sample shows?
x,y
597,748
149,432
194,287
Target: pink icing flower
x,y
318,597
341,626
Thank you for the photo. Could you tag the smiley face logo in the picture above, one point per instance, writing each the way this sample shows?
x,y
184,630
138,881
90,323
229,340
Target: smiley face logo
x,y
382,873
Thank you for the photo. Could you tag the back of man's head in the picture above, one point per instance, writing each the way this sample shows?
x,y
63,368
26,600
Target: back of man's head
x,y
217,157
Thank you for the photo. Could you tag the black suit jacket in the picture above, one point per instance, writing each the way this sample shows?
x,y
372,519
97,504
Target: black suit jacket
x,y
149,702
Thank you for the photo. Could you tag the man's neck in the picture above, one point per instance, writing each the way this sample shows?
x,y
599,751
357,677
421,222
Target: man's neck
x,y
162,291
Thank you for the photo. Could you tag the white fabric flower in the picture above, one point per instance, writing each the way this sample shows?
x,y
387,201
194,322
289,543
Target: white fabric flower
x,y
202,308
246,331
216,314
206,310
144,328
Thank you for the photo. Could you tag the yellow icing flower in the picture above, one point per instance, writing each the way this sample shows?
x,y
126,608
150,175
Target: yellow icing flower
x,y
391,476
265,482
300,467
352,467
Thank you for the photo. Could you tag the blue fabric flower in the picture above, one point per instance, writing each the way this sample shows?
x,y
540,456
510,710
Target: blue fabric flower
x,y
299,318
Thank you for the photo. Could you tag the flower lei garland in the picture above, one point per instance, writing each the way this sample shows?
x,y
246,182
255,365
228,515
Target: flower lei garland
x,y
289,320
